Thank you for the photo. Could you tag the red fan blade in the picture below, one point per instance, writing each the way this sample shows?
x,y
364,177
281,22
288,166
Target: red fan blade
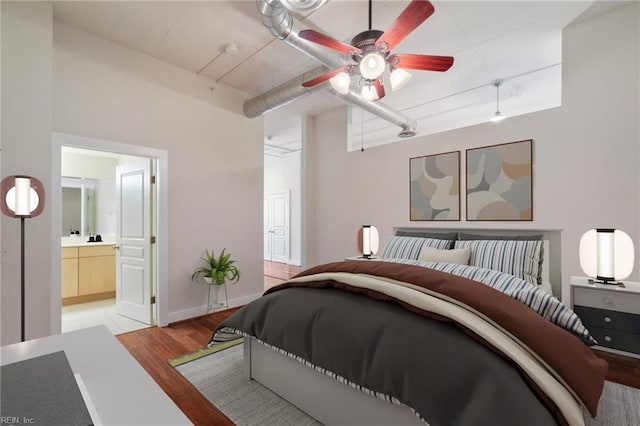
x,y
327,41
415,14
323,77
421,62
379,88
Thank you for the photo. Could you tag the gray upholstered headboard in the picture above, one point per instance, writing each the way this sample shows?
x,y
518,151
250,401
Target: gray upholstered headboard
x,y
551,239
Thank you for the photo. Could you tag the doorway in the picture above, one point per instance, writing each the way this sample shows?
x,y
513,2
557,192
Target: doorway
x,y
276,227
107,221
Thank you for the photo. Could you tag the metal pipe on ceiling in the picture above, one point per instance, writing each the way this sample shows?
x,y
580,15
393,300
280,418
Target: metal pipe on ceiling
x,y
282,25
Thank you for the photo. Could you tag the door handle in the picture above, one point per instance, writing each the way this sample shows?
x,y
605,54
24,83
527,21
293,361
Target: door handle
x,y
116,247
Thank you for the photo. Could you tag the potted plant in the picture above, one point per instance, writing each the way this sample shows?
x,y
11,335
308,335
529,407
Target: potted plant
x,y
218,270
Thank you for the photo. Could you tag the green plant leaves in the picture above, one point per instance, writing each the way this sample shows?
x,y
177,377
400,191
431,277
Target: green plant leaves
x,y
220,269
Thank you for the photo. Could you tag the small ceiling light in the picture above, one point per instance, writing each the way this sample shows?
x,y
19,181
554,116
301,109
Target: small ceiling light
x,y
372,66
231,49
341,82
498,116
399,78
369,93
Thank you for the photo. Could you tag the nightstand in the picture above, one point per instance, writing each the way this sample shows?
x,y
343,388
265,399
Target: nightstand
x,y
610,313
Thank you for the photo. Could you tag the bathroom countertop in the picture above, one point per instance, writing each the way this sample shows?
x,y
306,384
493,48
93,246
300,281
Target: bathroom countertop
x,y
86,244
83,242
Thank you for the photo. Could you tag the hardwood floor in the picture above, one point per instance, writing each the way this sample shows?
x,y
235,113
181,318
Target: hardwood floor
x,y
152,347
622,369
280,271
276,273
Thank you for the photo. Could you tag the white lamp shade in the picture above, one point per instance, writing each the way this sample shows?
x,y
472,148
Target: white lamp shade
x,y
341,82
372,66
369,93
22,199
606,254
368,240
399,78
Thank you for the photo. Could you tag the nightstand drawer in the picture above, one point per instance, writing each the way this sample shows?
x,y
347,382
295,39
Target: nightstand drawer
x,y
611,300
616,339
611,320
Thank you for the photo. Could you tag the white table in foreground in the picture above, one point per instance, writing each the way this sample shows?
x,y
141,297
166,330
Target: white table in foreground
x,y
119,388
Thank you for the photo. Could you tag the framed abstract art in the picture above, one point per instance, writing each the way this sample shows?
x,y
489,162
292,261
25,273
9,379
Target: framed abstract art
x,y
499,182
435,187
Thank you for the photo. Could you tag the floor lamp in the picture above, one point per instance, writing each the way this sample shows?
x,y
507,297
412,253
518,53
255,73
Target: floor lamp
x,y
22,197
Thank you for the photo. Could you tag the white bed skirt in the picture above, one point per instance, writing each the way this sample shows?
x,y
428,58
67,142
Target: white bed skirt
x,y
323,398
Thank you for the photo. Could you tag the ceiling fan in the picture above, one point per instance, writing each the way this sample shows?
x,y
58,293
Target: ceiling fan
x,y
371,52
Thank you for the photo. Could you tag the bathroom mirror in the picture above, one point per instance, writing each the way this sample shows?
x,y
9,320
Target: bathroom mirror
x,y
78,206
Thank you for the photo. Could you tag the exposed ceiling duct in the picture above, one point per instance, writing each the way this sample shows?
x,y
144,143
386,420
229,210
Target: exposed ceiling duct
x,y
282,25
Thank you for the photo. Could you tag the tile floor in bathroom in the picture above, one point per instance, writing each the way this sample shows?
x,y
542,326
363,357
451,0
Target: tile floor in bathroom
x,y
89,314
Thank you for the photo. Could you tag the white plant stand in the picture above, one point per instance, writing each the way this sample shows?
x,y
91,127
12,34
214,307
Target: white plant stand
x,y
217,304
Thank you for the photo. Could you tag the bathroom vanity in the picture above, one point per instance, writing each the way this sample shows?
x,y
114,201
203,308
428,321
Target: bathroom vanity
x,y
88,272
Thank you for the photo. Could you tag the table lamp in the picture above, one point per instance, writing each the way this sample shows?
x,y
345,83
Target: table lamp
x,y
606,255
368,241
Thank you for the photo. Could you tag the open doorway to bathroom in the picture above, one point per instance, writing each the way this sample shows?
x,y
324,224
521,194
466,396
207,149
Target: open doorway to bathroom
x,y
90,215
141,193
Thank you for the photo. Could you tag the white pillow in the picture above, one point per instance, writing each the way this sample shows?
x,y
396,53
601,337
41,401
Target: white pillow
x,y
459,256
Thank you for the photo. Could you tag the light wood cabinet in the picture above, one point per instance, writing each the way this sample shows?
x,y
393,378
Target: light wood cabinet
x,y
96,270
88,273
69,272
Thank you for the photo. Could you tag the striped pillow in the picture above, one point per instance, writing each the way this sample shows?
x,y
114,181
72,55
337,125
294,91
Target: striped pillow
x,y
533,296
409,247
518,258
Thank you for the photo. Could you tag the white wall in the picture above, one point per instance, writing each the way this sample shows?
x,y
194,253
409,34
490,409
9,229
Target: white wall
x,y
282,174
26,149
55,78
88,166
585,154
105,91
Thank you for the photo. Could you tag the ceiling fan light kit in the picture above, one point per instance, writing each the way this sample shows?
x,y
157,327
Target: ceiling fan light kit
x,y
372,66
371,52
399,78
369,93
341,82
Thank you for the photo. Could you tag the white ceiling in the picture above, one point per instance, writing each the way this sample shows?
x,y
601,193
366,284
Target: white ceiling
x,y
519,41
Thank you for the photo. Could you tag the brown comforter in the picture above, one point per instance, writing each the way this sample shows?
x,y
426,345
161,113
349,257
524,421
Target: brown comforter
x,y
565,353
518,368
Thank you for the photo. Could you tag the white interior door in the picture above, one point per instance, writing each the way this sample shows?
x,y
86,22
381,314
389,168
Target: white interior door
x,y
267,228
277,211
133,240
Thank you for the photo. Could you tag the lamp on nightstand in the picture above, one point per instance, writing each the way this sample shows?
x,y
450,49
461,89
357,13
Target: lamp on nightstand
x,y
21,197
368,241
607,255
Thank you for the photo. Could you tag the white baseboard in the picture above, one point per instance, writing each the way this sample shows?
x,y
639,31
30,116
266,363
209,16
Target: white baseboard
x,y
202,310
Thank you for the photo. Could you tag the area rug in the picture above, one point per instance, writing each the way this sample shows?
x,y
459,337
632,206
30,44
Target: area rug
x,y
219,377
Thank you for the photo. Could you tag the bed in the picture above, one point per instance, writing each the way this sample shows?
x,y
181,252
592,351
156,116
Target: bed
x,y
410,340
